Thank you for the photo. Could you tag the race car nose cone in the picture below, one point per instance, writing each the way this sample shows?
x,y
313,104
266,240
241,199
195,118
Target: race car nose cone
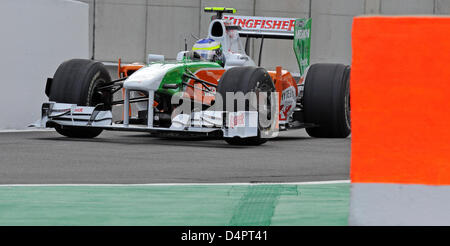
x,y
148,78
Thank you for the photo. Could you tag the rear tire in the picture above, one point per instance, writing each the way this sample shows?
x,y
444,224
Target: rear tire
x,y
245,79
326,100
75,81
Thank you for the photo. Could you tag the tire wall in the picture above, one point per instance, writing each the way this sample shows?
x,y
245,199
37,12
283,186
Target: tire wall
x,y
400,145
44,34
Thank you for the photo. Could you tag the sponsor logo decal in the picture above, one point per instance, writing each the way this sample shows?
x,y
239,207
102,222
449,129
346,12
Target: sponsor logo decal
x,y
302,34
288,101
284,111
262,23
237,120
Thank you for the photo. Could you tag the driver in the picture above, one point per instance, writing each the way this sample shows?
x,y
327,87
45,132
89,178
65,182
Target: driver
x,y
210,50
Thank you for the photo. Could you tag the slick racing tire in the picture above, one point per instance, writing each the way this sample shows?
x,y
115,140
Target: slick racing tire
x,y
245,79
326,100
76,81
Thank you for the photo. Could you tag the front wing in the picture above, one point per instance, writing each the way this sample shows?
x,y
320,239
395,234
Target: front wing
x,y
232,124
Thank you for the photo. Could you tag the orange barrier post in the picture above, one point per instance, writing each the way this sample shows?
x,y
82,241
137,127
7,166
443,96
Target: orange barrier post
x,y
400,99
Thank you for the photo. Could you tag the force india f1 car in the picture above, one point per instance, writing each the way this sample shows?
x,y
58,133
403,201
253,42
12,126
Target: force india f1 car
x,y
188,96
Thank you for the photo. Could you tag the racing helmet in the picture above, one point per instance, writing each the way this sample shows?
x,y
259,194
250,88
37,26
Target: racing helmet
x,y
209,49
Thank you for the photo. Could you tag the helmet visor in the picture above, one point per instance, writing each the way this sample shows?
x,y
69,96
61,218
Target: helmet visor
x,y
206,54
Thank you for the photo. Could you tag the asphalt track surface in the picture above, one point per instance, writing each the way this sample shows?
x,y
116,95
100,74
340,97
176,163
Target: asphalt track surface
x,y
138,158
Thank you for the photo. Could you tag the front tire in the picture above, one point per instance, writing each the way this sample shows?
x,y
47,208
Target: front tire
x,y
245,79
326,100
75,81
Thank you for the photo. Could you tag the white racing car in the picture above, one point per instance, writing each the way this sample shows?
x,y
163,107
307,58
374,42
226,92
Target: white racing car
x,y
215,88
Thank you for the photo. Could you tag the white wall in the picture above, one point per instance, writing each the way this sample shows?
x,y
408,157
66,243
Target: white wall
x,y
36,36
129,29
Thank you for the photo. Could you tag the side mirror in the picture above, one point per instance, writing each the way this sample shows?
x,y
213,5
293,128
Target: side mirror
x,y
191,55
154,58
181,55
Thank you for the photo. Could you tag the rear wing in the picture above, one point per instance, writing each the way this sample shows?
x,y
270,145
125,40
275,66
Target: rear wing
x,y
267,27
298,30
